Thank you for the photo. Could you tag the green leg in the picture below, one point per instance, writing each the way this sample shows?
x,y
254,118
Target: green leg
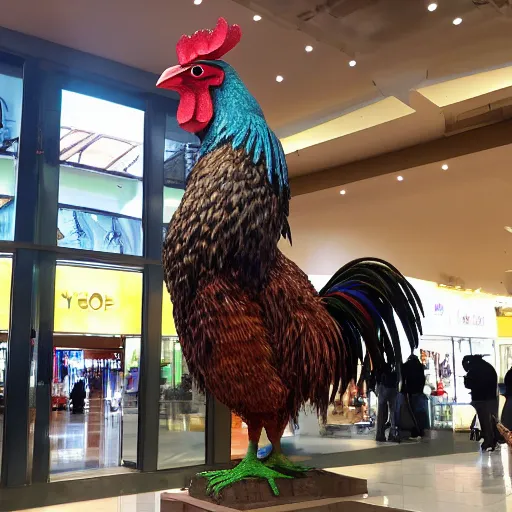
x,y
278,461
250,467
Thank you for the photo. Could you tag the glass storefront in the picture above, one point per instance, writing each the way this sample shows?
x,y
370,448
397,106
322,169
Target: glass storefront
x,y
5,304
97,324
179,157
442,359
85,269
101,173
182,414
11,92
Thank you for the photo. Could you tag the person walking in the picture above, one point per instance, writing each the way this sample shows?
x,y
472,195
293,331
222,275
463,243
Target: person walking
x,y
482,381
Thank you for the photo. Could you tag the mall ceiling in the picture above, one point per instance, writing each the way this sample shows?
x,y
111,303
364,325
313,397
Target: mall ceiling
x,y
418,77
438,225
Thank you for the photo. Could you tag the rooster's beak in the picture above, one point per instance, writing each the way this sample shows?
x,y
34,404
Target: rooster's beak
x,y
166,79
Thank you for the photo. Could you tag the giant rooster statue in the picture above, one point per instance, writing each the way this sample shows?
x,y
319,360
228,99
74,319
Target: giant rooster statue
x,y
254,332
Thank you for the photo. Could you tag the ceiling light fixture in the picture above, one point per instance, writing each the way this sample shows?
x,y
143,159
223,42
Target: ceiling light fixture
x,y
309,48
198,2
432,7
352,63
457,21
508,228
279,78
444,167
343,192
400,178
256,17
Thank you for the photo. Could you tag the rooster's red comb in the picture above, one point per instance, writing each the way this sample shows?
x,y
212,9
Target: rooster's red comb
x,y
208,44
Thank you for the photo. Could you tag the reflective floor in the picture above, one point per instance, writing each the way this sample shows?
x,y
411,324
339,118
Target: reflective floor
x,y
450,483
85,441
307,445
100,439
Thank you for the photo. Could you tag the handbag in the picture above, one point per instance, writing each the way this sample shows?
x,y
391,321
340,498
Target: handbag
x,y
475,434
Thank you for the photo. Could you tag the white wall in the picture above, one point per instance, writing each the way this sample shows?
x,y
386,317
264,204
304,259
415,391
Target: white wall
x,y
434,222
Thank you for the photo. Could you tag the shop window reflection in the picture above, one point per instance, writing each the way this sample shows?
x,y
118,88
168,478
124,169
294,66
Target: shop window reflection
x,y
182,423
5,304
96,231
100,187
11,93
181,149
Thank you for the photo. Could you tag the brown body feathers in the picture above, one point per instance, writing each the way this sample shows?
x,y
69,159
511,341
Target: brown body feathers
x,y
253,329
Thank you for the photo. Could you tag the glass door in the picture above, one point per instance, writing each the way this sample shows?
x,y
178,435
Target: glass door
x,y
130,401
94,418
5,302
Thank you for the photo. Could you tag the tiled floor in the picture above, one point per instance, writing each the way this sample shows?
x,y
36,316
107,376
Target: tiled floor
x,y
140,503
451,483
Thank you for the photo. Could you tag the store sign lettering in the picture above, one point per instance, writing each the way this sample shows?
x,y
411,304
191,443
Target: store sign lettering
x,y
438,309
83,300
475,320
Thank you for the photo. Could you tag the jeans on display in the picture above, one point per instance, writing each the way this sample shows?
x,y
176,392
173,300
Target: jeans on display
x,y
387,409
486,409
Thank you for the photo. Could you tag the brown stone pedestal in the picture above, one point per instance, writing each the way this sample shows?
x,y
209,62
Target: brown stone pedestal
x,y
251,494
317,491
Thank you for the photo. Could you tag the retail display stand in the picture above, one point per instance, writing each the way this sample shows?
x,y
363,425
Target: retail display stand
x,y
318,490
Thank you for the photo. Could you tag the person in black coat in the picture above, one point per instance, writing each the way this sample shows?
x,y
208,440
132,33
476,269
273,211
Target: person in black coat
x,y
506,414
482,381
78,396
413,376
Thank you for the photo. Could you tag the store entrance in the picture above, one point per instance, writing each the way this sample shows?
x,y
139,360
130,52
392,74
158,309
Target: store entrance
x,y
94,403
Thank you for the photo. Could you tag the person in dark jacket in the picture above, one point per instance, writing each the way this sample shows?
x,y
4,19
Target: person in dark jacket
x,y
387,391
413,376
506,414
482,381
78,396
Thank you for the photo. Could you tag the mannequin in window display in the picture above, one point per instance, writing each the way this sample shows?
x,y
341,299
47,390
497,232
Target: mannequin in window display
x,y
506,414
482,381
387,391
446,373
350,407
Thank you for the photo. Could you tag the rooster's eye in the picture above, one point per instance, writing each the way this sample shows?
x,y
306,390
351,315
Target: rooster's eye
x,y
197,71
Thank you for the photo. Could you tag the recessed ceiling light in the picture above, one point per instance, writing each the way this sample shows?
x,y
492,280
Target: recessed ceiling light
x,y
444,167
279,78
256,17
198,2
508,228
432,7
400,178
457,21
343,192
309,48
352,63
